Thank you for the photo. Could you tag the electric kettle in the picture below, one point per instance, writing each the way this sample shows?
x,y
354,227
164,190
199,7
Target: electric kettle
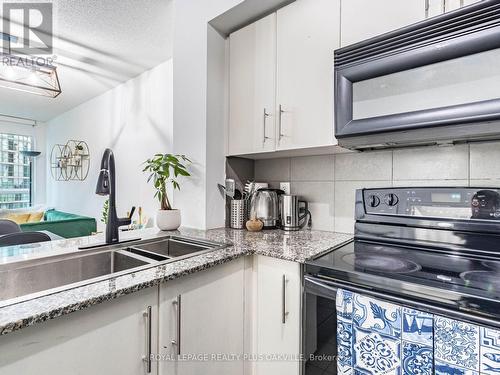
x,y
264,205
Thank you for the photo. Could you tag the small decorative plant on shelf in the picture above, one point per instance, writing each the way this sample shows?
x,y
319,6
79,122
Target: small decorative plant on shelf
x,y
166,169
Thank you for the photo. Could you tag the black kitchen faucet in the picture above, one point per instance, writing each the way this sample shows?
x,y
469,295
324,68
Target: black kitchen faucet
x,y
106,186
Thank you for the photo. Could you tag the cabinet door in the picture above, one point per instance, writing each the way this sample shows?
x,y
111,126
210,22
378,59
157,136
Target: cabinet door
x,y
110,338
307,34
252,82
435,7
201,316
469,2
364,19
456,4
278,302
453,4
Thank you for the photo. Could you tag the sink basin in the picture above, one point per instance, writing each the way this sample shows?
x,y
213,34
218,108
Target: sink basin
x,y
27,277
23,280
173,247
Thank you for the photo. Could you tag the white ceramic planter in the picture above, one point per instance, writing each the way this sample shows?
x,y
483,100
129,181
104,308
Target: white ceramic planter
x,y
168,219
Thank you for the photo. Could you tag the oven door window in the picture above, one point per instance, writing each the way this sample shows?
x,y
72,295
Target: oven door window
x,y
320,335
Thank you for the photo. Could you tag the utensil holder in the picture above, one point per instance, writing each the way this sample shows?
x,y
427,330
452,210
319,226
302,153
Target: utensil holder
x,y
238,214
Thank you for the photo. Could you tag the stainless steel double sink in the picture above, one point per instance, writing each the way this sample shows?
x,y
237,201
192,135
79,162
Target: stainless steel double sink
x,y
23,280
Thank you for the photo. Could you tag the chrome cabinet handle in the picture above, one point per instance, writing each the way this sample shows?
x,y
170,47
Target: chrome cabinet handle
x,y
280,112
147,357
427,7
283,300
444,6
264,137
177,341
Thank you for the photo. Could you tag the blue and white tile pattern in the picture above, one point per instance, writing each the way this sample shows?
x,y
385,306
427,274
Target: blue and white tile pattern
x,y
380,338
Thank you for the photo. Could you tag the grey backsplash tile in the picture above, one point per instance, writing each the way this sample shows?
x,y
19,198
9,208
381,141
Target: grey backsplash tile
x,y
485,160
431,163
312,168
436,183
363,166
332,203
272,170
320,197
490,183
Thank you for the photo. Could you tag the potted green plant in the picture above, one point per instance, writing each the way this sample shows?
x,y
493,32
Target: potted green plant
x,y
165,169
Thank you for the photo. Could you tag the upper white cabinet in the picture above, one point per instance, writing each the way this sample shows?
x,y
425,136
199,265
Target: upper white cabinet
x,y
278,316
281,79
252,56
201,316
307,34
436,7
111,338
364,19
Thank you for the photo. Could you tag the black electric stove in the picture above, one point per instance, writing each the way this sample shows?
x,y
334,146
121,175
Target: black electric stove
x,y
436,249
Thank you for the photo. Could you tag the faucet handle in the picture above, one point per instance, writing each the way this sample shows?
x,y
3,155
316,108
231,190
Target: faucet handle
x,y
132,210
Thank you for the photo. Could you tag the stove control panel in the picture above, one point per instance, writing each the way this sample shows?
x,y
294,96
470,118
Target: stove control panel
x,y
439,202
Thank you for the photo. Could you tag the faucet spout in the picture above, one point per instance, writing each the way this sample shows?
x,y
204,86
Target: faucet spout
x,y
106,185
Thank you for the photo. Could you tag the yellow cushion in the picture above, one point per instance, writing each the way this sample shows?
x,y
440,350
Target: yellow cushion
x,y
18,218
35,217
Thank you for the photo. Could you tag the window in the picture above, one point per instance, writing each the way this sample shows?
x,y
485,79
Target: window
x,y
15,175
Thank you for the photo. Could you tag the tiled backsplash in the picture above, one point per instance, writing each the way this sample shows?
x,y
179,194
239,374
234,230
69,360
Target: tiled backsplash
x,y
328,182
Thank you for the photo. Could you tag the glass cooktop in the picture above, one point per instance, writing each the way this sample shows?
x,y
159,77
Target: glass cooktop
x,y
369,262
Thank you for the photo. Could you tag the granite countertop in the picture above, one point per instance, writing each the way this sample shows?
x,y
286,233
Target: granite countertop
x,y
294,246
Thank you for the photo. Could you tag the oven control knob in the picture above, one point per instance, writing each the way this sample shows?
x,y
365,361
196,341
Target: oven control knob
x,y
391,199
373,201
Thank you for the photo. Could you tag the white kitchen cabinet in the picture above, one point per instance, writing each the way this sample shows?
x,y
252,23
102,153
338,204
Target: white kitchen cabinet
x,y
201,316
252,56
278,316
281,79
110,338
436,7
308,32
364,19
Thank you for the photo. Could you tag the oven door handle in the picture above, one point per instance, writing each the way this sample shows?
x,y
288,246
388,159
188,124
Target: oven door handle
x,y
321,288
329,288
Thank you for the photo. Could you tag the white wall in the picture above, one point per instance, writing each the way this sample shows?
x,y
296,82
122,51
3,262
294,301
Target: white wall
x,y
195,124
38,132
135,120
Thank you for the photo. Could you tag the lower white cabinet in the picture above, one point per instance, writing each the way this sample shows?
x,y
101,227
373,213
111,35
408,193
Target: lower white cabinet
x,y
110,338
277,316
201,322
209,322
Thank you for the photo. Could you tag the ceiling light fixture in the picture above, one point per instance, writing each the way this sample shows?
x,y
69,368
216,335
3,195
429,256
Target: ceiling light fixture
x,y
40,80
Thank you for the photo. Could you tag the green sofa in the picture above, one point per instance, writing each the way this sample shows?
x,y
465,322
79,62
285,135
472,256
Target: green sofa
x,y
63,224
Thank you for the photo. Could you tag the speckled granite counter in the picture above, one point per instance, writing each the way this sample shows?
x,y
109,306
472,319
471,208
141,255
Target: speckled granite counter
x,y
296,246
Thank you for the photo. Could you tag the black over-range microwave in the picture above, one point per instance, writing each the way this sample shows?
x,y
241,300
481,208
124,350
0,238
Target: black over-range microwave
x,y
436,81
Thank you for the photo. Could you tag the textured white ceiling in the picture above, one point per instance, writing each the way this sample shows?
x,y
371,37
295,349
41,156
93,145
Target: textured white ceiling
x,y
99,44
